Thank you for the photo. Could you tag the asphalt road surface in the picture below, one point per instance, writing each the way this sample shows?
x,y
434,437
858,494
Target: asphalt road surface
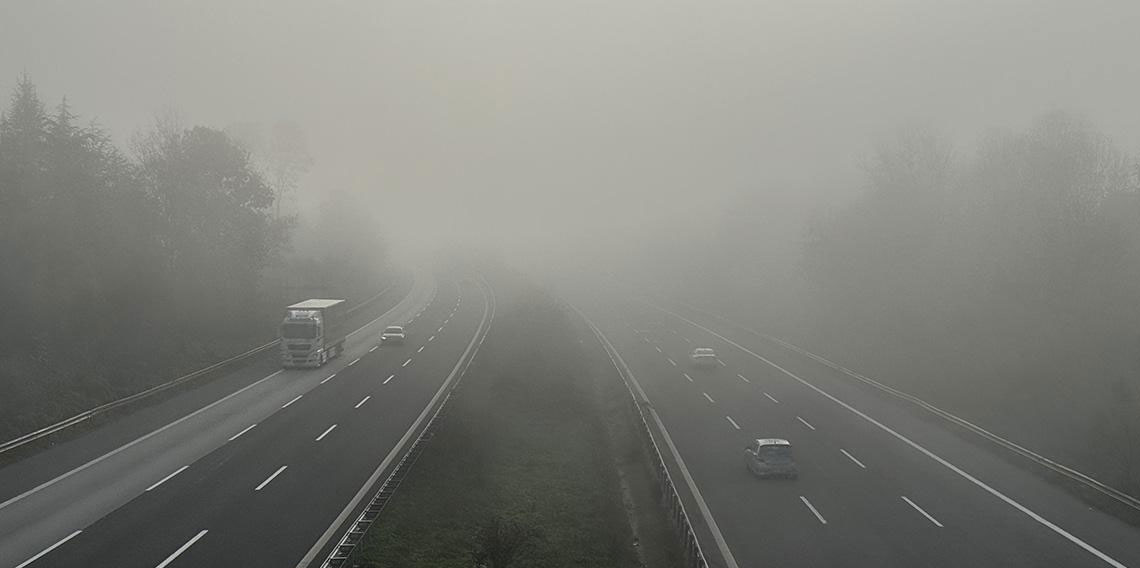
x,y
251,478
881,483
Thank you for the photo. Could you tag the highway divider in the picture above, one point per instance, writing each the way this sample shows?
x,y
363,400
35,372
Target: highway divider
x,y
109,406
1058,468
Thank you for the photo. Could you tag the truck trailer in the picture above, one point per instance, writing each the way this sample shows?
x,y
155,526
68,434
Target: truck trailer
x,y
313,332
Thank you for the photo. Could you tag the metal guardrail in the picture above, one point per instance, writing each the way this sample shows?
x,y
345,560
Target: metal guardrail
x,y
694,556
107,407
1061,469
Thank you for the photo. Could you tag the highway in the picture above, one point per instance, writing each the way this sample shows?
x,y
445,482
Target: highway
x,y
881,483
258,476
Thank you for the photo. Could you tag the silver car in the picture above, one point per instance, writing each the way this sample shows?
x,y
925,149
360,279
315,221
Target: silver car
x,y
703,357
393,334
771,457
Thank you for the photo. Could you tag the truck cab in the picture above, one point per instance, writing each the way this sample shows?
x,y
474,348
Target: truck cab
x,y
311,333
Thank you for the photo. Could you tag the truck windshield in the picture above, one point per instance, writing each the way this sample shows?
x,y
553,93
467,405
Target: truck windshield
x,y
298,331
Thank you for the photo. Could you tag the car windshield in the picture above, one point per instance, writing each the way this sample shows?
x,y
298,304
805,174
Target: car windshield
x,y
394,330
775,454
298,331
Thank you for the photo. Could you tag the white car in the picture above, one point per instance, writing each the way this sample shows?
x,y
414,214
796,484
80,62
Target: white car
x,y
393,334
771,457
703,357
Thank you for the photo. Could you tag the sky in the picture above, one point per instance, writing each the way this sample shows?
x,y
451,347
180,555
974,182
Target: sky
x,y
536,127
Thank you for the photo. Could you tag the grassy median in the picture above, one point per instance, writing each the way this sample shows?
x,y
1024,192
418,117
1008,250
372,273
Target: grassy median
x,y
526,464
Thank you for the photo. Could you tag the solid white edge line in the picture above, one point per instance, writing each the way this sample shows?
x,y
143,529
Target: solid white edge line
x,y
743,378
702,506
49,549
924,513
182,549
805,423
362,401
488,316
822,520
167,478
979,483
708,398
286,405
138,440
325,433
852,458
733,422
390,377
270,478
771,398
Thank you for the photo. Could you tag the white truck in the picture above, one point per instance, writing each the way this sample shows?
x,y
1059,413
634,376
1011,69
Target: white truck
x,y
313,332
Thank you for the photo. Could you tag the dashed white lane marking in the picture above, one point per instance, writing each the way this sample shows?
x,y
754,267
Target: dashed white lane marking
x,y
432,338
328,378
687,340
49,549
286,405
167,478
270,478
743,378
805,423
688,377
440,330
924,513
420,349
733,422
182,549
362,401
354,361
390,377
326,433
247,429
822,520
658,348
374,347
771,398
852,458
406,362
645,339
708,398
672,362
722,363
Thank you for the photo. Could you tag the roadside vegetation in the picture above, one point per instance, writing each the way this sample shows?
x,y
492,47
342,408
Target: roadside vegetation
x,y
530,466
124,269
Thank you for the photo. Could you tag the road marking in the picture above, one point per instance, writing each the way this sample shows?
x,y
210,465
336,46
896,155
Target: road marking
x,y
733,422
432,338
362,401
709,398
672,362
645,339
390,377
822,520
165,479
286,405
406,362
270,478
247,429
852,458
687,340
182,549
440,330
374,347
743,378
326,433
805,423
328,378
354,361
977,482
658,348
924,513
688,377
722,363
48,549
420,349
771,398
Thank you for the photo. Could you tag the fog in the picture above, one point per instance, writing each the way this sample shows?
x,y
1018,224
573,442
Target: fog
x,y
532,127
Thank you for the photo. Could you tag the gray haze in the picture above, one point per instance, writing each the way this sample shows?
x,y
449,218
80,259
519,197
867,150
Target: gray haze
x,y
537,127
